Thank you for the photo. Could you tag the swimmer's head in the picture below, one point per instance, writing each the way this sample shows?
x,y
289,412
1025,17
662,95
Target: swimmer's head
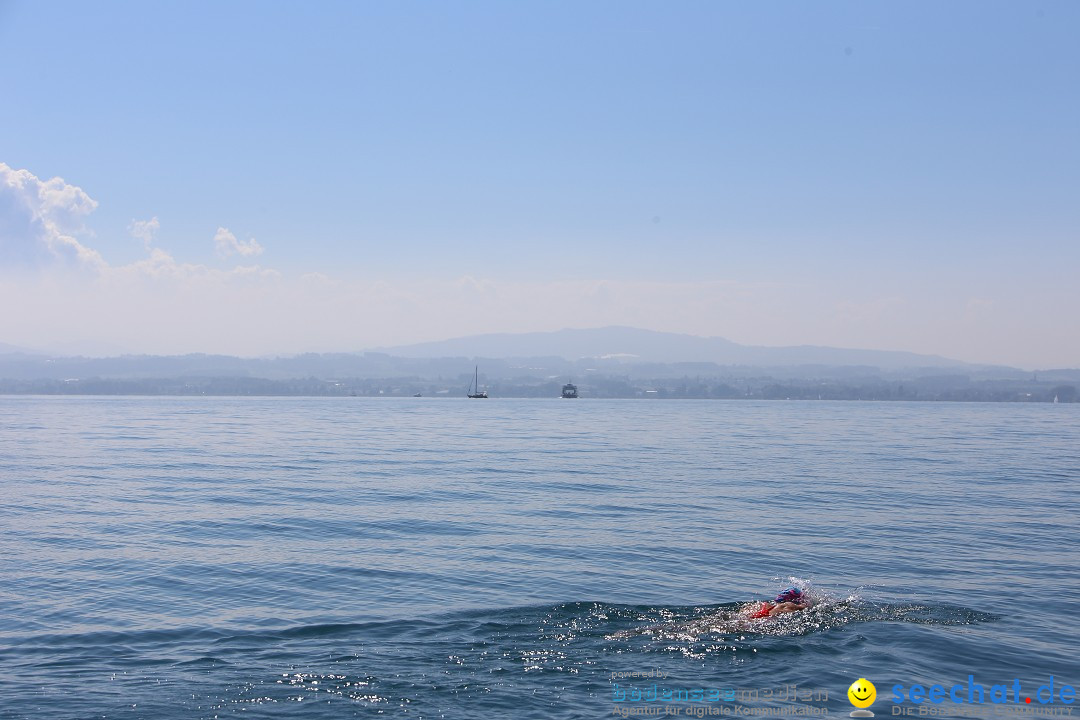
x,y
792,594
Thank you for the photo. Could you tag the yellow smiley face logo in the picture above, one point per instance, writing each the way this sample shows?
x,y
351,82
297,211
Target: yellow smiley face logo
x,y
862,693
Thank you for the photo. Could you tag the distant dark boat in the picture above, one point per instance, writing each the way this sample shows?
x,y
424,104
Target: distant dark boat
x,y
476,385
417,395
569,390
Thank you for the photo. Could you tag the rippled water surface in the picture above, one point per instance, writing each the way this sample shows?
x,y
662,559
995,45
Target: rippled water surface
x,y
190,558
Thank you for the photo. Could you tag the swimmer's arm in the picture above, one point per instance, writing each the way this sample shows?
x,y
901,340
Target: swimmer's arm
x,y
786,607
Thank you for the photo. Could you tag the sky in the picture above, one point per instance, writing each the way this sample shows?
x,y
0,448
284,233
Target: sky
x,y
257,178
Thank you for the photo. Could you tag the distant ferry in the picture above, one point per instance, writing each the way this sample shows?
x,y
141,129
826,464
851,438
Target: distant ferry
x,y
476,386
569,390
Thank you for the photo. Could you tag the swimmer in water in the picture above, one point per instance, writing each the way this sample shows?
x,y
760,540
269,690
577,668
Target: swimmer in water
x,y
726,619
791,600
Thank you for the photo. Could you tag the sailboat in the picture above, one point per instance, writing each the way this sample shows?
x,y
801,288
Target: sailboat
x,y
476,385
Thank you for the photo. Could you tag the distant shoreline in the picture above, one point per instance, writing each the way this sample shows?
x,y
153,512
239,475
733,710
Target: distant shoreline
x,y
986,391
380,375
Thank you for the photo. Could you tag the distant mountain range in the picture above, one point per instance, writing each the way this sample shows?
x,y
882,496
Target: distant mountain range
x,y
649,346
611,351
612,362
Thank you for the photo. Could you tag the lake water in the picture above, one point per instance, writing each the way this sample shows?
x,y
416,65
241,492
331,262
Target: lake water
x,y
431,558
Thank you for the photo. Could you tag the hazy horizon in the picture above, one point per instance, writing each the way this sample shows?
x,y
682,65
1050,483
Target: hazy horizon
x,y
557,344
256,180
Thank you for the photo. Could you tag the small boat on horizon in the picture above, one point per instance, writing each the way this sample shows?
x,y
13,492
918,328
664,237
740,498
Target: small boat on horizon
x,y
475,385
569,391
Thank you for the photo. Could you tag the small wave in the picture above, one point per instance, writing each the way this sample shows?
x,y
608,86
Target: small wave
x,y
571,624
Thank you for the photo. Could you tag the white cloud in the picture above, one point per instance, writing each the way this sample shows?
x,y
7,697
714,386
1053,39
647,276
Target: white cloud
x,y
227,244
40,219
145,230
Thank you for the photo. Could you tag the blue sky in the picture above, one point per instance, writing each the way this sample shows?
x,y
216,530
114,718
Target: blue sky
x,y
895,176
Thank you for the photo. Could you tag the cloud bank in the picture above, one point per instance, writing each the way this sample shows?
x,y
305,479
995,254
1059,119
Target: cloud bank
x,y
60,294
